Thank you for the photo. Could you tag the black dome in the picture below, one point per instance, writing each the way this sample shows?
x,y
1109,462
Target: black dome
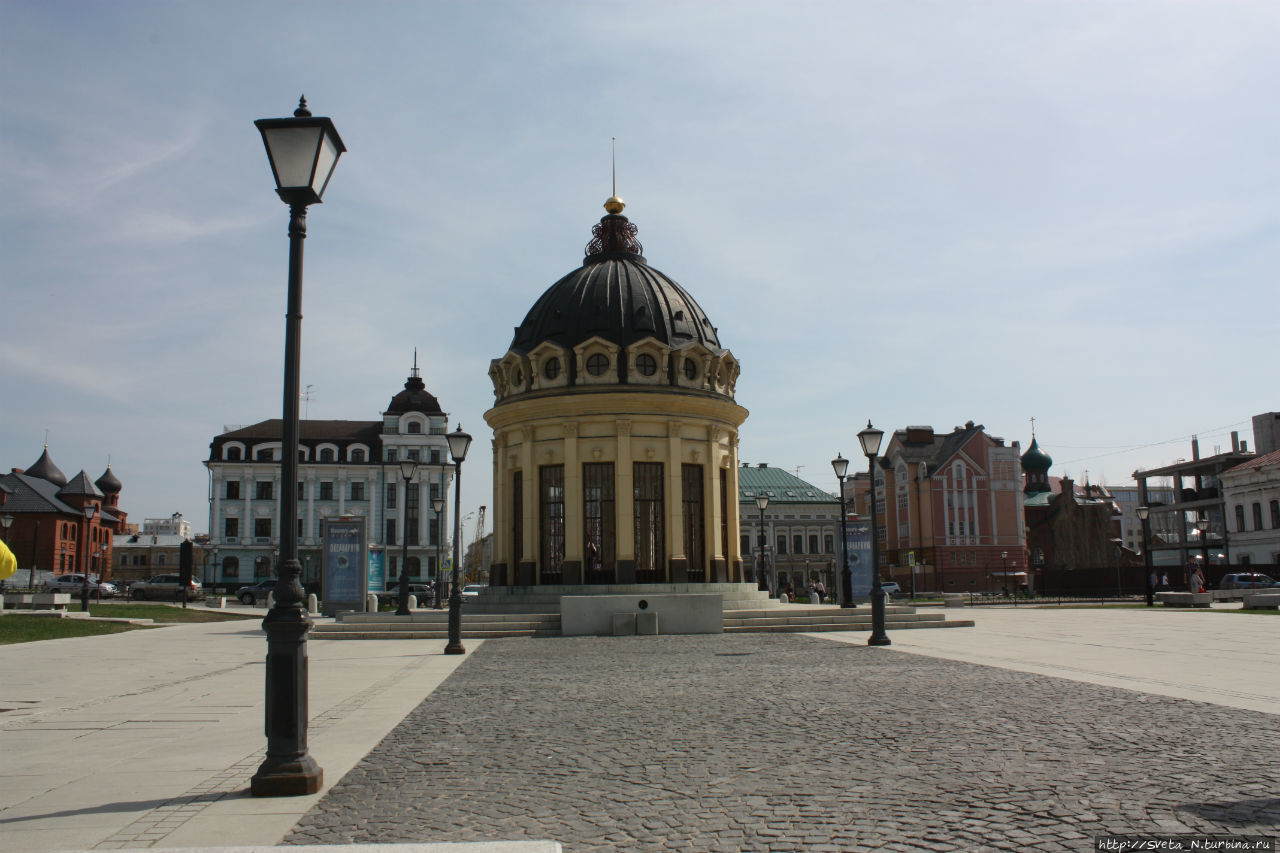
x,y
617,296
414,398
46,470
109,482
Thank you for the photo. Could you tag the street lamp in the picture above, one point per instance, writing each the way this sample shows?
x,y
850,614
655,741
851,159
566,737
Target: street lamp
x,y
870,439
459,442
6,521
408,467
841,466
303,152
437,506
1144,515
89,512
762,502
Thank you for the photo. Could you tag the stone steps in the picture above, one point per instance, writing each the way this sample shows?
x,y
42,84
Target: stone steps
x,y
434,624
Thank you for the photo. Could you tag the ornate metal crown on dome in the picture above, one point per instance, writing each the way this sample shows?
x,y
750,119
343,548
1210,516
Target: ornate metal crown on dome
x,y
615,321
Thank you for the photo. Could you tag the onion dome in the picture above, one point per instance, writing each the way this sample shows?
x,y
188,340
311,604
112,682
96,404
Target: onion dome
x,y
1036,459
46,470
615,295
414,398
80,484
109,482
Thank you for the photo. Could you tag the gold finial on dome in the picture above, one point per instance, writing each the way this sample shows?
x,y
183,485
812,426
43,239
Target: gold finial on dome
x,y
614,204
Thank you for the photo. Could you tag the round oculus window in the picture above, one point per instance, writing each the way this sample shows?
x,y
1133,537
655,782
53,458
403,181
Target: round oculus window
x,y
646,364
552,368
690,369
597,364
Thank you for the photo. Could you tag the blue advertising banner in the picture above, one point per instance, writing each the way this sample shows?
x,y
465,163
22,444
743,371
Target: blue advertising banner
x,y
344,565
859,542
377,570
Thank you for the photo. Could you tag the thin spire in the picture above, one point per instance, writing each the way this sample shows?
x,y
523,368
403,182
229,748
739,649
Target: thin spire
x,y
614,158
1033,429
615,205
415,361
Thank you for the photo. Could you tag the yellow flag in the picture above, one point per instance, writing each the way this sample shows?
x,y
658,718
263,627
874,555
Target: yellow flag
x,y
8,562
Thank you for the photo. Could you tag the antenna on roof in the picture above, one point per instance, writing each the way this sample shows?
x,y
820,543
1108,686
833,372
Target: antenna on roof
x,y
307,394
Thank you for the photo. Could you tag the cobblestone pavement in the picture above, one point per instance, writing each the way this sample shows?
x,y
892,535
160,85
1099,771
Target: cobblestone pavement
x,y
788,742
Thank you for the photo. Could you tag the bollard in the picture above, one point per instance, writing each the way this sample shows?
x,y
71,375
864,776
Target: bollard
x,y
271,600
313,603
413,601
371,603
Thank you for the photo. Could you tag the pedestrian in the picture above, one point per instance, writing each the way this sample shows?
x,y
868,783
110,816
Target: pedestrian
x,y
821,590
1155,580
1197,580
1164,582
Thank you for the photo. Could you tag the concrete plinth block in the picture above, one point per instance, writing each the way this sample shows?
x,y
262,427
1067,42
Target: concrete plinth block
x,y
1261,600
647,623
624,624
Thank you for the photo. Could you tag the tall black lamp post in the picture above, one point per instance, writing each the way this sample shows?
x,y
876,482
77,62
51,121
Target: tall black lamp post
x,y
841,466
459,442
437,506
408,467
303,152
89,512
870,439
762,579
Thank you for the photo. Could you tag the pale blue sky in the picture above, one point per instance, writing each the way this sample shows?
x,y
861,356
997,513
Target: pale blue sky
x,y
917,213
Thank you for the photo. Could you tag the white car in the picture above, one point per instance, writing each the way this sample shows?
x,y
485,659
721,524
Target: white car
x,y
74,583
890,587
472,590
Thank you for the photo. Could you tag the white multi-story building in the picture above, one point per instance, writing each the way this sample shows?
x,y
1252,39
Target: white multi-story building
x,y
345,469
174,525
1126,498
1252,493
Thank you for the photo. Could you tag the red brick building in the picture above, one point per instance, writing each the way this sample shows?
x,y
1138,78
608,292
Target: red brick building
x,y
60,525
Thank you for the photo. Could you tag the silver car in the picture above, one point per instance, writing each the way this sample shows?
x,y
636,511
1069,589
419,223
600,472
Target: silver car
x,y
74,584
164,588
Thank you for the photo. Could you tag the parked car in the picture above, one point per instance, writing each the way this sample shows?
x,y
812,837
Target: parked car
x,y
890,587
423,592
472,590
1246,580
74,583
164,588
259,591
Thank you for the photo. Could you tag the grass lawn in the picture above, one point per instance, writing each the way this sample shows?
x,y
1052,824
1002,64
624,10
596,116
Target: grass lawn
x,y
30,629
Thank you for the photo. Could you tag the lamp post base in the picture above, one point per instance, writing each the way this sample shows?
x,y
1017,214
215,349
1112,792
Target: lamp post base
x,y
290,777
878,635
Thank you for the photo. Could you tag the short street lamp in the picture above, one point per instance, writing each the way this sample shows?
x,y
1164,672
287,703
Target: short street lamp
x,y
841,466
437,506
459,442
870,439
303,152
762,582
89,513
408,467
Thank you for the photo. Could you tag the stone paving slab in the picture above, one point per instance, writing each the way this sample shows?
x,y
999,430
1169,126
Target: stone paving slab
x,y
786,742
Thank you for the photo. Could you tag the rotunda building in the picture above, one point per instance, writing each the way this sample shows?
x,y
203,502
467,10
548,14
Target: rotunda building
x,y
615,431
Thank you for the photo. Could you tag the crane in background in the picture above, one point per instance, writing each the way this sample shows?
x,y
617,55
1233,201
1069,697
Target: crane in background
x,y
475,554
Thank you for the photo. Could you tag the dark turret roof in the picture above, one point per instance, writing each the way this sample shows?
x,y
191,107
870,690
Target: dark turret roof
x,y
1036,459
414,398
617,296
80,484
109,482
46,470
